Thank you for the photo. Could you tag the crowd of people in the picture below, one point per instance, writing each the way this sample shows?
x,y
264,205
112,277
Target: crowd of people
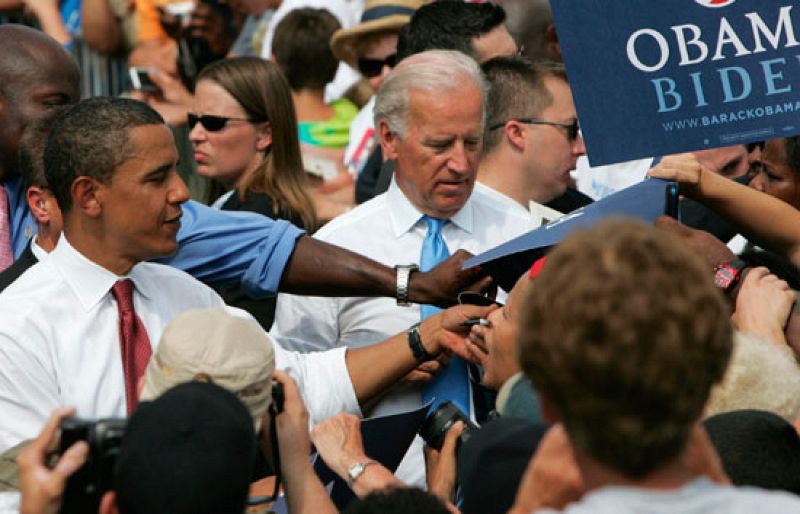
x,y
216,347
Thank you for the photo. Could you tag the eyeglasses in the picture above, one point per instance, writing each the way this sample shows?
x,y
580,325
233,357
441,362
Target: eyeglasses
x,y
373,67
215,123
572,128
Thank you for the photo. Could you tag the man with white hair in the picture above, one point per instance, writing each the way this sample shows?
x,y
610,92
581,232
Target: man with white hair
x,y
430,116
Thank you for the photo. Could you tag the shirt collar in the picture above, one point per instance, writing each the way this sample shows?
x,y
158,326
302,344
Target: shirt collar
x,y
404,215
89,281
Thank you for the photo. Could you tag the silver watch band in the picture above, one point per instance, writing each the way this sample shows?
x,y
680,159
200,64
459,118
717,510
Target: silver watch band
x,y
357,469
403,277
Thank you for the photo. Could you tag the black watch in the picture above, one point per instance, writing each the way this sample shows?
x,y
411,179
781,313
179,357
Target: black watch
x,y
415,343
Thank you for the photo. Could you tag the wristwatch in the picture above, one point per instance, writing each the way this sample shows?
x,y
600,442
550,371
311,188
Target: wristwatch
x,y
356,470
403,276
415,343
728,274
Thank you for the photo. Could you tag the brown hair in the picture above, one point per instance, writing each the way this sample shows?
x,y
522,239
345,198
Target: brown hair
x,y
302,48
262,91
516,90
623,334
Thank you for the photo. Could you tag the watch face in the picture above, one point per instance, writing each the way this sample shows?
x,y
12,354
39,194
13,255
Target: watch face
x,y
724,276
356,470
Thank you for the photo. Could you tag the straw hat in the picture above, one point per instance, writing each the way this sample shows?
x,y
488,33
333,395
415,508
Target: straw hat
x,y
378,16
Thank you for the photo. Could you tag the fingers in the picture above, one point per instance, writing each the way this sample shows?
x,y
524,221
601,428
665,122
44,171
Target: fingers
x,y
453,318
451,438
477,337
47,440
425,372
479,353
72,459
291,393
683,168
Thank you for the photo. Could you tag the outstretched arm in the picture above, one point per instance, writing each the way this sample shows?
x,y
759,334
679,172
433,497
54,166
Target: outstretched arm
x,y
323,269
374,368
265,255
339,443
304,491
765,220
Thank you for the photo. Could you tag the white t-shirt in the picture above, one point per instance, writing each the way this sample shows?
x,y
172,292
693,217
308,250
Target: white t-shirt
x,y
700,496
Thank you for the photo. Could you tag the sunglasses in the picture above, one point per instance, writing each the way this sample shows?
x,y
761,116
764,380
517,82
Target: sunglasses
x,y
572,128
373,67
215,123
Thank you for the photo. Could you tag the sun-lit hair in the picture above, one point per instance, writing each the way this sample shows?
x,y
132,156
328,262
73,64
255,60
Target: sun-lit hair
x,y
623,334
435,72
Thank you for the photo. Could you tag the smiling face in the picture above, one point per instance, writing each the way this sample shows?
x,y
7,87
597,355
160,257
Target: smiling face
x,y
771,174
551,155
438,158
231,154
140,206
501,338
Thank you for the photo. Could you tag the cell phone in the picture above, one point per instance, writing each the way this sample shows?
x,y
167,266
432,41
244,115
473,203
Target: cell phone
x,y
671,203
140,80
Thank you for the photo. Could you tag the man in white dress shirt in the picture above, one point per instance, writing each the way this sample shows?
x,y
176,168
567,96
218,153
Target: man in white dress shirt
x,y
532,140
111,164
430,116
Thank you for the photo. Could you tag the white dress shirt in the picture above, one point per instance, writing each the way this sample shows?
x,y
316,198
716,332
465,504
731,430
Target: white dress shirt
x,y
59,342
538,214
390,230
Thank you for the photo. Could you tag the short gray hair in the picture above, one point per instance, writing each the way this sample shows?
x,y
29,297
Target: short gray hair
x,y
432,72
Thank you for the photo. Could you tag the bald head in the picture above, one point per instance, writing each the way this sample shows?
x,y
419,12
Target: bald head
x,y
38,74
531,24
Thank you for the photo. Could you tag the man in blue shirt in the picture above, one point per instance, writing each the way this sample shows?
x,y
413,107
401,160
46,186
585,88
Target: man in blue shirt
x,y
214,246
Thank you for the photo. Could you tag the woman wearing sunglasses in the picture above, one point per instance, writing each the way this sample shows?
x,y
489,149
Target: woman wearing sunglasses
x,y
371,48
244,134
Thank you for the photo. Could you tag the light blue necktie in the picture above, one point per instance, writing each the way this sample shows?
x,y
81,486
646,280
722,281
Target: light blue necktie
x,y
452,383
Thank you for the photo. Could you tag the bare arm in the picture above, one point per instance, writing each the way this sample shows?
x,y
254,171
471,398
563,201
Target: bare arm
x,y
768,221
374,368
101,27
319,268
46,11
304,492
338,441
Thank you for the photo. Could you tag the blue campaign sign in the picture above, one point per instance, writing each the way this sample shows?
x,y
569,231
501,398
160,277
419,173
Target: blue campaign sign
x,y
655,78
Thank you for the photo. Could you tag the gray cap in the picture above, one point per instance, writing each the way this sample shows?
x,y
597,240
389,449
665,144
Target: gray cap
x,y
220,345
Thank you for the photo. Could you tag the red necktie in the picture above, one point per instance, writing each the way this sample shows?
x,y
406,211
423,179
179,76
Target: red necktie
x,y
6,254
134,343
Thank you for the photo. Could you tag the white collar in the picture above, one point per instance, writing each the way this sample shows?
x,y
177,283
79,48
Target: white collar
x,y
89,281
404,215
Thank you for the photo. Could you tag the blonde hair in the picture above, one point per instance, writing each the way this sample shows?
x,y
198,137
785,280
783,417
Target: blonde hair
x,y
263,92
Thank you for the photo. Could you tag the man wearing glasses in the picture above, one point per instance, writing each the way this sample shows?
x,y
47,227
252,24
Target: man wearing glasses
x,y
532,139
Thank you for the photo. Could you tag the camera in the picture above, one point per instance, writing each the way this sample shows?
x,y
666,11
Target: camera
x,y
86,487
435,427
